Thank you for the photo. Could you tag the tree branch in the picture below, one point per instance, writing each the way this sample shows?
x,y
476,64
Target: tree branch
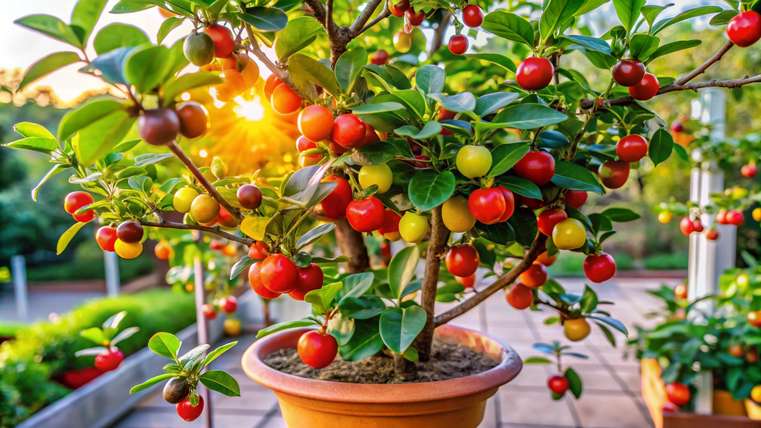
x,y
201,179
317,9
359,23
352,246
709,62
438,35
533,252
381,16
214,230
330,24
735,83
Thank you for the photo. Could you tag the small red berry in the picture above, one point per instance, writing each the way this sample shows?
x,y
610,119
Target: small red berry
x,y
472,15
534,73
745,28
647,88
458,44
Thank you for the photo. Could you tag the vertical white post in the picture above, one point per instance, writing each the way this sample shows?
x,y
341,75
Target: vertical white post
x,y
708,259
203,327
111,263
18,272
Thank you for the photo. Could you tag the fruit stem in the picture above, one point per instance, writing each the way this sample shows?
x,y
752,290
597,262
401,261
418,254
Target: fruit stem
x,y
708,63
214,230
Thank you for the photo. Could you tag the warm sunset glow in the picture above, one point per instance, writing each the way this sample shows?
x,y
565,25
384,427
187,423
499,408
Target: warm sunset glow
x,y
249,109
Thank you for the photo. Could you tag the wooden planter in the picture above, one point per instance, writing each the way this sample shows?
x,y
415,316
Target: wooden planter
x,y
654,394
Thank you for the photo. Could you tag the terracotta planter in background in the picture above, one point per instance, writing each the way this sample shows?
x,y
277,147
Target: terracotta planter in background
x,y
452,403
725,404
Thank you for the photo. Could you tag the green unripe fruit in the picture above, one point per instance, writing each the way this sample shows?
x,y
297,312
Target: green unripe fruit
x,y
198,49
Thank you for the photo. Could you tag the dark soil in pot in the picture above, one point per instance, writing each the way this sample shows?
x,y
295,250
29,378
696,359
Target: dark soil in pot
x,y
447,362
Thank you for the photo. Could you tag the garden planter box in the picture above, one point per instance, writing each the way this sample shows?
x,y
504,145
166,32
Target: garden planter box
x,y
458,402
103,400
654,394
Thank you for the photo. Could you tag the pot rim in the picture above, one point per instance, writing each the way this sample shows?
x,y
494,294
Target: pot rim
x,y
255,368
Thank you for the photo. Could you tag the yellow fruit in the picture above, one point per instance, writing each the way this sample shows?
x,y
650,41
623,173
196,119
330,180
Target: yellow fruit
x,y
377,175
473,161
456,215
204,208
739,192
755,394
413,227
569,234
128,250
402,42
756,214
232,327
183,198
664,217
576,329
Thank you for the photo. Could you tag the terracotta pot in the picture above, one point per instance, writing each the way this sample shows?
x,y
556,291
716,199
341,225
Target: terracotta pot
x,y
325,404
725,404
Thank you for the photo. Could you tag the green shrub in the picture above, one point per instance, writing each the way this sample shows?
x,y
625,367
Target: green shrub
x,y
666,261
45,349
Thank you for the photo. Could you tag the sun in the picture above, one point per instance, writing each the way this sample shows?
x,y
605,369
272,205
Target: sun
x,y
252,110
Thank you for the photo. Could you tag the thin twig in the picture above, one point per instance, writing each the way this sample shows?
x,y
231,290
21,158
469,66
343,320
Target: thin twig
x,y
317,9
734,83
214,230
330,24
438,35
363,17
703,67
503,281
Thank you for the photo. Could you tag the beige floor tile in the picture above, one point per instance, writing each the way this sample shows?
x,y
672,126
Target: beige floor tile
x,y
607,410
533,407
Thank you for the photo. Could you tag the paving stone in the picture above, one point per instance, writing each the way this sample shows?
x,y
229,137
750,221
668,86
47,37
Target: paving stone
x,y
519,406
607,410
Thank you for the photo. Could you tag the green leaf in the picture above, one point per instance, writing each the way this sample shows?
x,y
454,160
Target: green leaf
x,y
365,342
341,328
98,138
150,382
460,103
571,176
537,360
522,186
219,381
47,65
430,79
266,19
173,88
362,308
37,144
66,237
588,301
94,335
723,18
591,43
51,26
52,172
322,298
557,16
146,67
356,285
151,158
130,6
431,129
642,46
84,17
286,325
528,116
298,34
31,129
348,68
628,11
687,14
401,269
84,115
509,26
650,12
400,326
167,26
191,361
314,234
118,35
505,156
672,47
490,103
213,355
413,99
165,344
428,189
307,72
111,64
620,215
574,382
494,58
661,145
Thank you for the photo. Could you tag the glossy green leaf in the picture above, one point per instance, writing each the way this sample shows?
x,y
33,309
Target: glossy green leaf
x,y
286,325
460,103
428,188
51,26
47,65
306,71
494,58
571,176
95,140
118,35
642,46
37,144
683,16
557,15
173,88
574,382
341,328
430,79
365,342
298,34
672,47
505,156
150,382
265,19
509,26
528,116
219,381
146,67
165,344
67,236
167,26
111,64
590,43
362,308
521,186
348,68
661,145
84,17
400,326
628,11
402,268
372,108
489,103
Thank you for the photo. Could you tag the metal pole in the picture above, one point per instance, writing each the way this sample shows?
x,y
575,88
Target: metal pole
x,y
203,328
111,263
18,272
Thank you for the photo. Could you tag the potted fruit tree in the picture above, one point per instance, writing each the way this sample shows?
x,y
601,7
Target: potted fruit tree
x,y
474,160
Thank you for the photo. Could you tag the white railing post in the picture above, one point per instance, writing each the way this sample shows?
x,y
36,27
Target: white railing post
x,y
111,263
18,273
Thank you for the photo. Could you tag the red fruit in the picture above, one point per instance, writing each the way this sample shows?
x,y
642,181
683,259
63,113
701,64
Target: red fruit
x,y
130,231
631,148
614,173
520,296
310,278
628,72
414,18
209,312
669,407
445,114
379,57
348,131
398,8
599,267
534,73
466,281
686,226
745,28
158,126
545,259
222,38
365,215
530,203
678,393
316,122
109,360
558,384
680,292
258,250
458,44
472,15
229,304
712,234
509,204
255,282
647,88
193,120
735,217
749,171
249,196
269,86
487,205
390,222
285,100
536,166
278,273
334,205
371,136
677,127
317,349
547,220
303,144
76,200
575,198
106,238
721,217
462,260
697,225
535,276
187,412
225,219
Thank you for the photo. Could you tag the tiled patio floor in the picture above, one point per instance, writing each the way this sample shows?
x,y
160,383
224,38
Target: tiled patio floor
x,y
610,400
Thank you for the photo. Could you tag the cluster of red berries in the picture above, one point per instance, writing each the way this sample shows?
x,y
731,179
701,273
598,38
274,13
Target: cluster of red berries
x,y
109,359
161,126
472,16
227,305
275,274
732,217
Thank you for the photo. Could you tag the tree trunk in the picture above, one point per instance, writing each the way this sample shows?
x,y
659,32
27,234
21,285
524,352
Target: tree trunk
x,y
436,246
352,246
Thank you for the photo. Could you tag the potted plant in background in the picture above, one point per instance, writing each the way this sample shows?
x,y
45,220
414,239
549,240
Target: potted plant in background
x,y
469,172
